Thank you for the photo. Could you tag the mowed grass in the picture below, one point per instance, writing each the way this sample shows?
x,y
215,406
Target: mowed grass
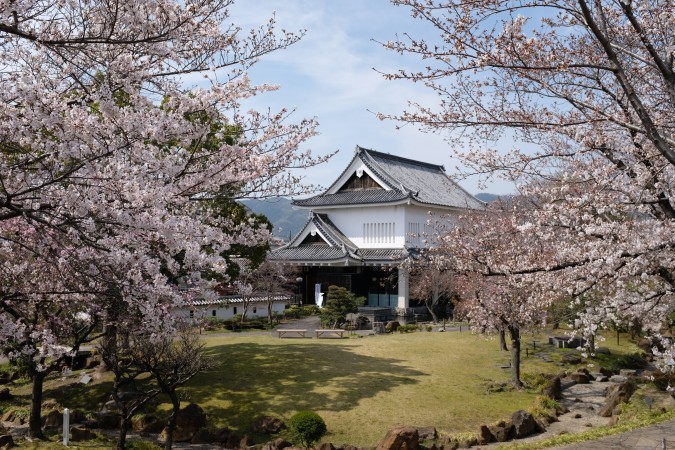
x,y
361,386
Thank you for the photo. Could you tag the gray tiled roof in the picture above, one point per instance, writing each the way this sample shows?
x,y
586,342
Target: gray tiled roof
x,y
334,254
235,299
339,249
407,178
367,196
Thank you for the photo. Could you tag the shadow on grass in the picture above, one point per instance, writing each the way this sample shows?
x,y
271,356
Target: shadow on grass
x,y
252,379
87,397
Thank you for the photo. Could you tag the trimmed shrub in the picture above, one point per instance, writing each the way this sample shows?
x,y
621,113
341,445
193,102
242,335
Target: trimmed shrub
x,y
307,428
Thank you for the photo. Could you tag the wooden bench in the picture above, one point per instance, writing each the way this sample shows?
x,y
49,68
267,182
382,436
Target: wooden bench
x,y
324,333
287,331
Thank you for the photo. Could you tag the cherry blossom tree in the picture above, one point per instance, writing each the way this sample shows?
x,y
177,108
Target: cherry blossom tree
x,y
573,100
273,279
107,156
486,252
431,284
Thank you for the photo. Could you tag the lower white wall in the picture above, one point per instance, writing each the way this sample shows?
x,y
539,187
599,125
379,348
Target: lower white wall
x,y
225,312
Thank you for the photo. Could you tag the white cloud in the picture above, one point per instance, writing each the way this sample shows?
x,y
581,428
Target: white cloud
x,y
329,75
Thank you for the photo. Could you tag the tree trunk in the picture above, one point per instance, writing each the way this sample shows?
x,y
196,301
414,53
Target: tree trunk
x,y
434,317
122,437
171,423
514,332
35,418
269,314
502,340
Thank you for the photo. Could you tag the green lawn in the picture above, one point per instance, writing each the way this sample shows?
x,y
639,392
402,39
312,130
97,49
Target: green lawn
x,y
361,386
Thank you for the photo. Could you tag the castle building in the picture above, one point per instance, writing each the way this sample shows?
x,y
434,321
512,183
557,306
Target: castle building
x,y
367,222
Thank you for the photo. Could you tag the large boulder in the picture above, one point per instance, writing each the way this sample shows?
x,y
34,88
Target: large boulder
x,y
554,390
616,395
53,419
268,425
427,433
281,444
188,421
147,423
107,420
501,431
6,441
78,434
221,435
580,378
203,436
484,435
400,438
4,394
523,424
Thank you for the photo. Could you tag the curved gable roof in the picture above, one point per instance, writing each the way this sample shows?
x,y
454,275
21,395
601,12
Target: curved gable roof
x,y
407,179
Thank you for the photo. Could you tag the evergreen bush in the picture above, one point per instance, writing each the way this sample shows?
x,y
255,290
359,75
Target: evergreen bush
x,y
307,428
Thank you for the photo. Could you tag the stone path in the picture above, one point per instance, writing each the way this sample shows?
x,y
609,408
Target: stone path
x,y
654,437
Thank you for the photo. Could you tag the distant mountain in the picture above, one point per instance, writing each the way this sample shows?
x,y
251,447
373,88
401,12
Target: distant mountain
x,y
286,220
487,198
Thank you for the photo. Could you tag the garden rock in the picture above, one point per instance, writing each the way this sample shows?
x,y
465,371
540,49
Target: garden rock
x,y
188,421
484,435
468,442
347,447
620,393
246,441
78,434
202,436
400,438
427,433
501,431
554,390
268,424
221,435
579,378
77,416
571,359
233,441
107,420
325,446
618,379
147,423
628,372
281,444
6,441
523,424
50,404
53,419
92,362
4,394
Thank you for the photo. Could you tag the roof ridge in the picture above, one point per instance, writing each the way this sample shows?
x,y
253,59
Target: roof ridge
x,y
381,173
403,159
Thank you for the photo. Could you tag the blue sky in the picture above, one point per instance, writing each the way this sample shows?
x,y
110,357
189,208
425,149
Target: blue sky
x,y
330,75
